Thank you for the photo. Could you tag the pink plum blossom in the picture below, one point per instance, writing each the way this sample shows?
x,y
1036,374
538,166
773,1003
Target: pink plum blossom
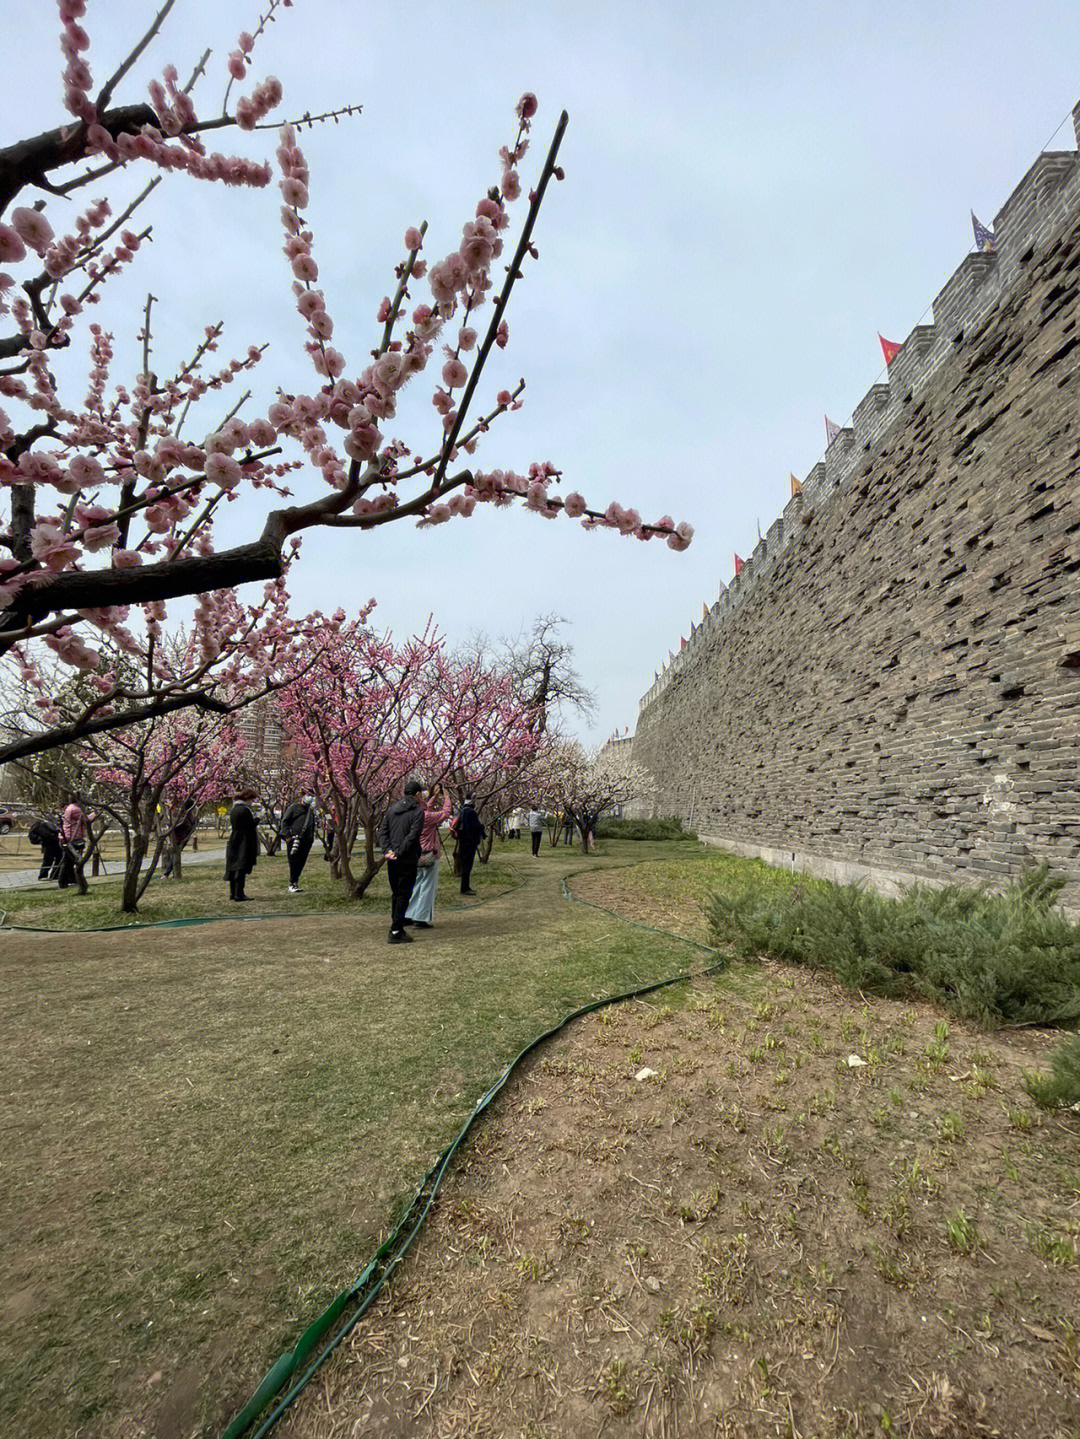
x,y
12,248
222,470
454,374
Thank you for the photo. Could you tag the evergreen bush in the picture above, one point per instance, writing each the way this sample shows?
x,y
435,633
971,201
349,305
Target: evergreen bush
x,y
643,829
1061,1087
1008,958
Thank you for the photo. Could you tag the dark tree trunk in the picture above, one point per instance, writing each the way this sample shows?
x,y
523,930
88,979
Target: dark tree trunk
x,y
136,854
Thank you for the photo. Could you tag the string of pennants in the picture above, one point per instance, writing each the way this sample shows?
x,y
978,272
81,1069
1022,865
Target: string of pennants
x,y
985,242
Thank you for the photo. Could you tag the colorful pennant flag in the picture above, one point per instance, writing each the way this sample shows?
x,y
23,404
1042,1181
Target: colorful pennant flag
x,y
984,238
738,564
704,611
682,643
889,348
832,429
796,487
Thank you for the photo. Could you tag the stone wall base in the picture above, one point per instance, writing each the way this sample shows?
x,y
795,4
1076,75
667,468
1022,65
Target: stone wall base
x,y
890,882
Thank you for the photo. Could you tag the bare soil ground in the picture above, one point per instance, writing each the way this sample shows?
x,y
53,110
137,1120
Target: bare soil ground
x,y
772,1209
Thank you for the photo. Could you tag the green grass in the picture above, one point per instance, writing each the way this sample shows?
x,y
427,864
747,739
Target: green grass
x,y
1007,958
203,892
205,1131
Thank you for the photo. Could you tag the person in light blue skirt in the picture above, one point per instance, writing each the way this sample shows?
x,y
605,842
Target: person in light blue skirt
x,y
421,911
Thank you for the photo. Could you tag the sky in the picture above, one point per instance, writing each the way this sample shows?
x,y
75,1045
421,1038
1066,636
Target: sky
x,y
752,192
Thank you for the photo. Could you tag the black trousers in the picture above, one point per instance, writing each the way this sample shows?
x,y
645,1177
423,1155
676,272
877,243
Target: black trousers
x,y
69,860
466,856
402,876
537,834
298,851
50,860
236,884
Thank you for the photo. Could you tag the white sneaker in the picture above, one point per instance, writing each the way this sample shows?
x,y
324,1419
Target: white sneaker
x,y
294,889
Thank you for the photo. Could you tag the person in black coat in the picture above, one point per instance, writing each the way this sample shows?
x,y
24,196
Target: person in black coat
x,y
298,827
399,840
242,850
468,832
46,832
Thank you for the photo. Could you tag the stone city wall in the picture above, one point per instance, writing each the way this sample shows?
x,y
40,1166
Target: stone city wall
x,y
891,686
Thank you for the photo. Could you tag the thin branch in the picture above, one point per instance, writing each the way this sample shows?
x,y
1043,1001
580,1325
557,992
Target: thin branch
x,y
504,296
114,80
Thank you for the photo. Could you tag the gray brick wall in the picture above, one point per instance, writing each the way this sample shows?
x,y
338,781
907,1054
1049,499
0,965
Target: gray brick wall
x,y
893,682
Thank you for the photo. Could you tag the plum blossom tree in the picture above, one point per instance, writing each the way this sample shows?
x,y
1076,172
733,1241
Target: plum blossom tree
x,y
485,736
352,726
149,773
111,510
370,713
587,784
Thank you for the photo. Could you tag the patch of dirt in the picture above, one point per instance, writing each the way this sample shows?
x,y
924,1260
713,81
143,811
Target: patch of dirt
x,y
676,909
760,1238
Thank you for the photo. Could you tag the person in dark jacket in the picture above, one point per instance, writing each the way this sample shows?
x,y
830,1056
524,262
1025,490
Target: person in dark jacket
x,y
46,832
399,840
242,849
298,827
468,832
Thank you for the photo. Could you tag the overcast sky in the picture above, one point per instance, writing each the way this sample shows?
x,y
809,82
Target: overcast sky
x,y
752,192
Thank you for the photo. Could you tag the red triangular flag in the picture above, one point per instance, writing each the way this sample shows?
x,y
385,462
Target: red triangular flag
x,y
890,349
738,564
682,643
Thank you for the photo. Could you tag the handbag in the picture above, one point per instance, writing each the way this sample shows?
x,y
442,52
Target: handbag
x,y
426,860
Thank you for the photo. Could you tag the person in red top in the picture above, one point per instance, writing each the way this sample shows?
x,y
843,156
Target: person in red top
x,y
421,910
73,842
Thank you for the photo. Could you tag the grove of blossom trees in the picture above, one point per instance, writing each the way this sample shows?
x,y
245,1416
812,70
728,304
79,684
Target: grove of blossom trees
x,y
587,784
108,495
370,713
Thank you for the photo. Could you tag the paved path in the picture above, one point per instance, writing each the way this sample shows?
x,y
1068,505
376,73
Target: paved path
x,y
28,878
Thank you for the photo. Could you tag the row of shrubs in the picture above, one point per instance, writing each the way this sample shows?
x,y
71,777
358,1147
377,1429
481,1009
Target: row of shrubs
x,y
643,829
999,959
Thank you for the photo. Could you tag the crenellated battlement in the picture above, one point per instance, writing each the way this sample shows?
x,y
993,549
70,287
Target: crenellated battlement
x,y
1033,215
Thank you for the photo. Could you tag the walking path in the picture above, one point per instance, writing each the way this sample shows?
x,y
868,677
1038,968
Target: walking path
x,y
28,878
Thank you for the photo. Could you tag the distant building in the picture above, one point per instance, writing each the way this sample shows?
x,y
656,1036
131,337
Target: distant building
x,y
263,735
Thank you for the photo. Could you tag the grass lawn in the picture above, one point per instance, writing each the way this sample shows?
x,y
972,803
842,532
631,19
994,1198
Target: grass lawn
x,y
204,1131
203,892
